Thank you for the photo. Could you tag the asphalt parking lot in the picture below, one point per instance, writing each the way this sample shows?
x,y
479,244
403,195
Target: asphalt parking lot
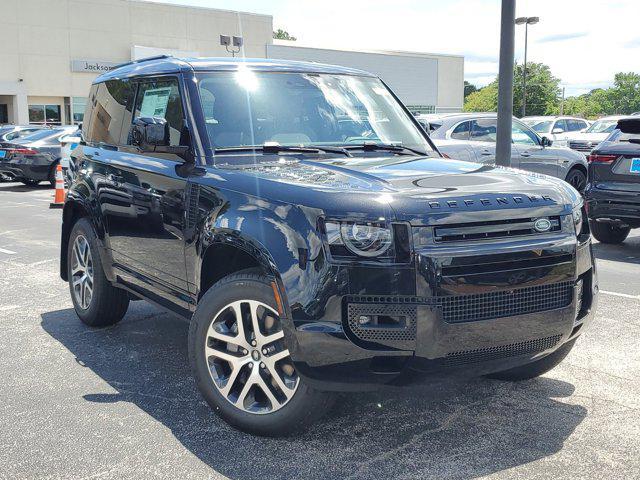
x,y
120,402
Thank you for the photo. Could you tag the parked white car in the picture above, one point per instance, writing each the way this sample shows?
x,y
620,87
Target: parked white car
x,y
592,136
558,129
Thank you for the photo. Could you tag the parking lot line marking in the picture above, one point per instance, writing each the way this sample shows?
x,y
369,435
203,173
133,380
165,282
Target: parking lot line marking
x,y
8,252
618,294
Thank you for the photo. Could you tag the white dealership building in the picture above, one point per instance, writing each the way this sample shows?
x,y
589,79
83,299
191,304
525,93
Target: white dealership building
x,y
51,50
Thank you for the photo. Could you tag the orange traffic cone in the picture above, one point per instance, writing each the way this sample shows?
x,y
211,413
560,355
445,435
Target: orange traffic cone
x,y
58,200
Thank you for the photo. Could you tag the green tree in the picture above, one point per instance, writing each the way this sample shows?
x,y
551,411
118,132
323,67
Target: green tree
x,y
624,96
469,88
483,100
283,35
543,90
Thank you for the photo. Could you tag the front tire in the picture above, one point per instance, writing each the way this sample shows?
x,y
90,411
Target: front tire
x,y
96,302
537,368
609,233
241,363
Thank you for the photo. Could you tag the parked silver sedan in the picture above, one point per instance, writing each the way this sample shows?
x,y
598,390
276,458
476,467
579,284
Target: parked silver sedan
x,y
466,135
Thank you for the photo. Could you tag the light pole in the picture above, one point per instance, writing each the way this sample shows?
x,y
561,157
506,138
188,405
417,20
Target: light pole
x,y
505,83
527,21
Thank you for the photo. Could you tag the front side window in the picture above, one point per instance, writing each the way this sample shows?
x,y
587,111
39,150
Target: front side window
x,y
109,105
562,124
161,99
248,108
520,134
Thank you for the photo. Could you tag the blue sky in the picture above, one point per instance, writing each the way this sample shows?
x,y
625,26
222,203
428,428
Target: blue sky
x,y
585,42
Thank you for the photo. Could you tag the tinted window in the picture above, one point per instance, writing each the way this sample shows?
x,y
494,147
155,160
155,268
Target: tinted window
x,y
483,130
561,124
575,125
109,106
541,127
161,99
461,132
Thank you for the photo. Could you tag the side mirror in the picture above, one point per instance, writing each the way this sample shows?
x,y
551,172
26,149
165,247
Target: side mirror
x,y
546,142
557,131
150,132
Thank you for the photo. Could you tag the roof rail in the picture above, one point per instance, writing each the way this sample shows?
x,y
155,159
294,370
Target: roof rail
x,y
145,59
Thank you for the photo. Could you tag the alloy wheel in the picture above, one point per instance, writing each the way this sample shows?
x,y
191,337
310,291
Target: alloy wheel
x,y
82,272
578,182
247,358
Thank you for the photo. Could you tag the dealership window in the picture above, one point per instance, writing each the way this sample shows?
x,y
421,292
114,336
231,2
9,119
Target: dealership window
x,y
78,105
45,115
421,109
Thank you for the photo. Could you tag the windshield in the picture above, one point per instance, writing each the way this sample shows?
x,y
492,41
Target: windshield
x,y
602,126
539,126
246,108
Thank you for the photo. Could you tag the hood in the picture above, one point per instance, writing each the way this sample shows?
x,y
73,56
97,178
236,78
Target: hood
x,y
421,189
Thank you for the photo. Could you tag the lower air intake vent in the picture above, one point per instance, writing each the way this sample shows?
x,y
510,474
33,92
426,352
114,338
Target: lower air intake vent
x,y
388,324
520,301
499,352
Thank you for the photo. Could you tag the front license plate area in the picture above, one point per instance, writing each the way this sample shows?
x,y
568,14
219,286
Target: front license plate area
x,y
635,165
2,153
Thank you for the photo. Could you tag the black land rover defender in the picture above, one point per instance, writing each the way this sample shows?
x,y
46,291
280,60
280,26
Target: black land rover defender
x,y
298,216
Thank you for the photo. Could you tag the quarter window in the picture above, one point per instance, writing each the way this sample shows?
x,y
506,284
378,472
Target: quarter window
x,y
561,124
161,99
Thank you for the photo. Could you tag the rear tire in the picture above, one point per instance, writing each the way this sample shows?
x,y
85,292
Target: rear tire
x,y
52,174
537,368
609,233
232,372
96,302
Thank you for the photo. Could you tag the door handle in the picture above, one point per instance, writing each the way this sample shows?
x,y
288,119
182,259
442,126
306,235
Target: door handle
x,y
485,152
525,154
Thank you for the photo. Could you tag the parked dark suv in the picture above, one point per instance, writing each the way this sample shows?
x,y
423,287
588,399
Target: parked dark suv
x,y
613,191
297,215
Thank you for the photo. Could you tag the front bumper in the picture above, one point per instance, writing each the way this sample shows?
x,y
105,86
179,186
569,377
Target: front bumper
x,y
453,321
615,205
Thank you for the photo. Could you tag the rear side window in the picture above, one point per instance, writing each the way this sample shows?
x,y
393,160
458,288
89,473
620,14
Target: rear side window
x,y
461,132
108,111
576,125
161,99
484,130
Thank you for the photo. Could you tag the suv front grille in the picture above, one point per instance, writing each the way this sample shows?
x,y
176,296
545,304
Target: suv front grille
x,y
582,146
493,229
520,301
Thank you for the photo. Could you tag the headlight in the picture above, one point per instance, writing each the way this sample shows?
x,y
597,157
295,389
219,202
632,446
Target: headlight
x,y
362,239
578,219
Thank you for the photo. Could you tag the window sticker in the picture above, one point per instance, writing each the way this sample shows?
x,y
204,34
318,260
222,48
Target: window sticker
x,y
154,102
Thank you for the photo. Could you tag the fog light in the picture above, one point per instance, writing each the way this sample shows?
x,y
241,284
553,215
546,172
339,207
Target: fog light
x,y
364,319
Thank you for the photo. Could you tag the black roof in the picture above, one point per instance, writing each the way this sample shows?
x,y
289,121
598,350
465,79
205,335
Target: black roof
x,y
168,64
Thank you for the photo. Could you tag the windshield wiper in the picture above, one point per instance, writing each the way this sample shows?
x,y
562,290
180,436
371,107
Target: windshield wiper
x,y
372,147
276,148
